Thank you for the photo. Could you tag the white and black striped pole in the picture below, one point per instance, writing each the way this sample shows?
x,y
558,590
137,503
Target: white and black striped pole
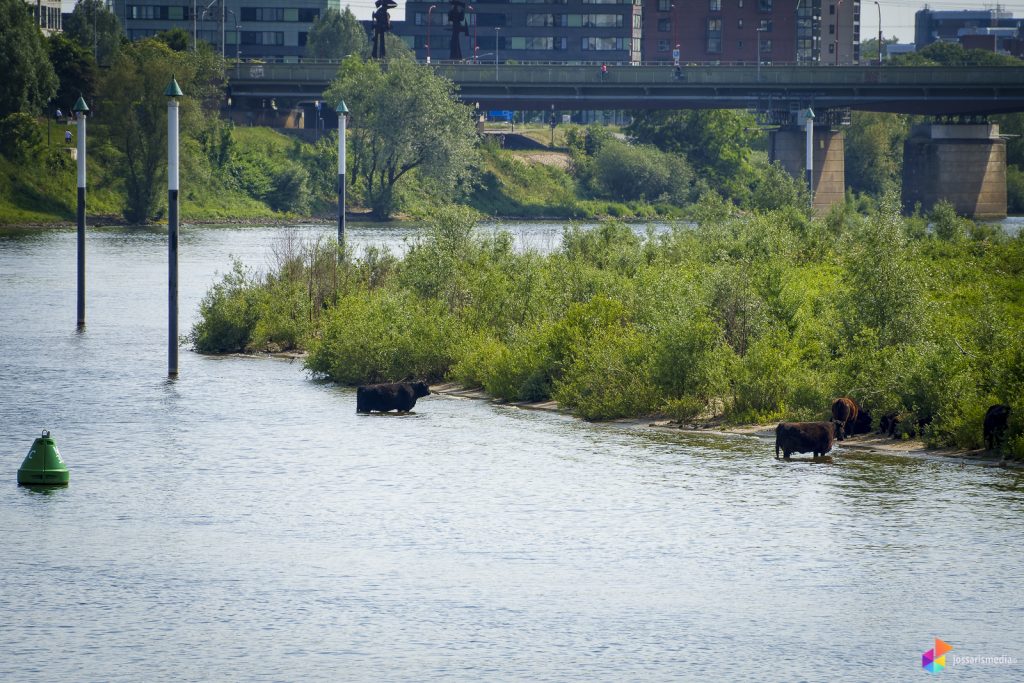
x,y
81,109
809,124
342,121
173,92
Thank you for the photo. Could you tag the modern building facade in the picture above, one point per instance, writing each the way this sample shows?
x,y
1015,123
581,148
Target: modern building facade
x,y
244,28
47,14
748,31
606,31
951,26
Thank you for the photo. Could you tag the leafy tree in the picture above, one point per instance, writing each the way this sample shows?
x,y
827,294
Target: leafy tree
x,y
175,38
19,136
75,68
136,115
335,35
629,172
874,151
27,80
403,119
953,54
716,141
95,28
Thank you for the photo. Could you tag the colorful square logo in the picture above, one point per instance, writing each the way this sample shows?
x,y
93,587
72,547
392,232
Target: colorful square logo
x,y
933,661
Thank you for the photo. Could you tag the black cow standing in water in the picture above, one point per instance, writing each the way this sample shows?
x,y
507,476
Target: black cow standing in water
x,y
400,396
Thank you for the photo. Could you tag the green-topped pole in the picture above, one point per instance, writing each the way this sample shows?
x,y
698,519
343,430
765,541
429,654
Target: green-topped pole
x,y
342,121
81,110
173,92
43,465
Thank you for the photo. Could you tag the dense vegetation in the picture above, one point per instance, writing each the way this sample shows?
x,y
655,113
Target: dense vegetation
x,y
752,316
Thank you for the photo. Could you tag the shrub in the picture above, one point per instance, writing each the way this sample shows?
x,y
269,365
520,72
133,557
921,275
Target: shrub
x,y
610,377
228,313
384,336
19,136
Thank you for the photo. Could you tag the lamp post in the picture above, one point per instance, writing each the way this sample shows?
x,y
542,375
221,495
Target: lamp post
x,y
839,26
760,30
238,40
173,92
471,9
879,32
429,10
342,121
81,110
195,28
809,124
496,29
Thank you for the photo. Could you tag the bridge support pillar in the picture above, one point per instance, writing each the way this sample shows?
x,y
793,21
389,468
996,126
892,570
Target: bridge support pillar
x,y
788,146
964,164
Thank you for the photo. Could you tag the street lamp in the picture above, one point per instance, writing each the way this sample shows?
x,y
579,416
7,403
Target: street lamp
x,y
760,30
475,48
879,32
496,40
839,26
429,10
238,39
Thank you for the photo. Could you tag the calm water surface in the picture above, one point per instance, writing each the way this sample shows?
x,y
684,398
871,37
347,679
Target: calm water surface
x,y
243,524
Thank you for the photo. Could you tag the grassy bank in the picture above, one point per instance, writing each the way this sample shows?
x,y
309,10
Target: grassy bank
x,y
756,317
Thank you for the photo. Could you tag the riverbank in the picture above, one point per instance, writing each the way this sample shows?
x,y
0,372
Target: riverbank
x,y
873,444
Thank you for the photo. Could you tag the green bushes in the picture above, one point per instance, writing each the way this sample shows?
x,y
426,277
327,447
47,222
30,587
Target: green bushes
x,y
754,317
384,336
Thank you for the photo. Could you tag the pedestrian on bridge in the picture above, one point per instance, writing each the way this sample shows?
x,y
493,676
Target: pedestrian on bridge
x,y
604,71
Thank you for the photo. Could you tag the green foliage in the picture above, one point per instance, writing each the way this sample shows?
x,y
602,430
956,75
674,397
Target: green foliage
x,y
1014,190
75,69
228,313
335,35
20,136
874,151
94,27
28,80
175,38
943,53
632,172
383,336
404,119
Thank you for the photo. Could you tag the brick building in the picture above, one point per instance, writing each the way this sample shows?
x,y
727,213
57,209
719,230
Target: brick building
x,y
735,31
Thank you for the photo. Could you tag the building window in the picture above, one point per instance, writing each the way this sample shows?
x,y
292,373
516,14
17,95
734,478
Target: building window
x,y
664,5
664,25
714,35
739,23
831,29
766,25
715,5
662,46
764,5
832,9
540,20
831,48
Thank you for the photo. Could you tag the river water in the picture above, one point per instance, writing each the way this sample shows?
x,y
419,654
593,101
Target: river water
x,y
242,523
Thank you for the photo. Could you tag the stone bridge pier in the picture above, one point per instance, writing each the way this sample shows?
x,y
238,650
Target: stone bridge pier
x,y
962,163
788,146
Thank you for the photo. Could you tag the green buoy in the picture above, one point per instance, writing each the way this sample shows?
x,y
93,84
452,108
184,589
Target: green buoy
x,y
43,465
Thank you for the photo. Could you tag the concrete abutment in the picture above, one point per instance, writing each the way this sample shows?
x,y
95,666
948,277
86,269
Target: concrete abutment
x,y
788,146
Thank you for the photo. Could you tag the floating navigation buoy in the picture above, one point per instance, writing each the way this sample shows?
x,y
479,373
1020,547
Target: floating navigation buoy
x,y
43,465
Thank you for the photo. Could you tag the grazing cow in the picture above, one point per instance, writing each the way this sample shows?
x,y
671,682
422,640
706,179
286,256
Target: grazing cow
x,y
400,396
844,411
805,437
996,420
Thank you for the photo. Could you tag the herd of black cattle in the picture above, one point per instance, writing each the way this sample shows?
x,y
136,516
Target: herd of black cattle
x,y
848,419
818,438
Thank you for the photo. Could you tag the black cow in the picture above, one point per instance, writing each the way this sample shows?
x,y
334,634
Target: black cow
x,y
845,411
400,396
862,425
996,419
806,437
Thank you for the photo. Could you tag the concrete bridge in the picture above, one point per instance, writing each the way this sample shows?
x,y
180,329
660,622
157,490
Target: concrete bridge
x,y
963,161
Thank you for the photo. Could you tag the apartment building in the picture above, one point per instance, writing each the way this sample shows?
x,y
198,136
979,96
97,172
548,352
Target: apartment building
x,y
47,14
246,28
748,31
607,31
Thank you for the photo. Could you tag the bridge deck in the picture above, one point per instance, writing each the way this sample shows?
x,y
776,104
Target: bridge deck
x,y
909,90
